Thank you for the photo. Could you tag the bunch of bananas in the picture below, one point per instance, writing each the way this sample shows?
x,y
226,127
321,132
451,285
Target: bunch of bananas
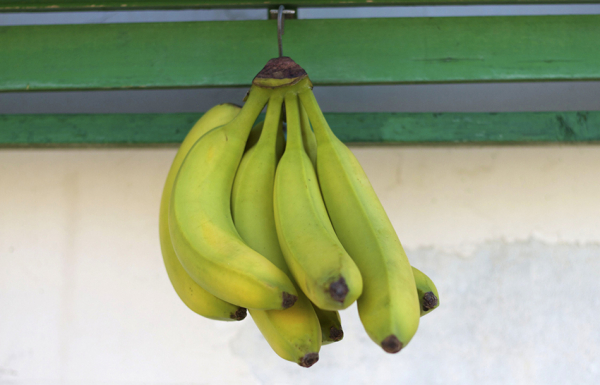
x,y
290,229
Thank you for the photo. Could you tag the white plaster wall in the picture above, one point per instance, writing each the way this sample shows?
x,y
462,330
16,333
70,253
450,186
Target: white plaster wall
x,y
511,236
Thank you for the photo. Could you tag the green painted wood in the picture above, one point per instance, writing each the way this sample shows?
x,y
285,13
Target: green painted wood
x,y
395,128
515,127
69,5
85,129
337,51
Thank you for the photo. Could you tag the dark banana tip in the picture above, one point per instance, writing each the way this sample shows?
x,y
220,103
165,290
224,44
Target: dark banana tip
x,y
281,68
338,290
288,300
309,360
239,314
335,334
391,344
430,301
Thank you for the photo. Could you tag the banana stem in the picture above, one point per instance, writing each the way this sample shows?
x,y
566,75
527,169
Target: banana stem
x,y
271,125
292,112
308,136
317,119
257,98
279,72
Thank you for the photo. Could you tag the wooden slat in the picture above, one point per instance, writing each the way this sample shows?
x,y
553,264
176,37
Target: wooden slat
x,y
515,127
338,51
69,5
395,128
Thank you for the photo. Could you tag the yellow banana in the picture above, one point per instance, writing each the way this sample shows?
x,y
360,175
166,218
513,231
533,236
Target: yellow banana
x,y
429,298
389,305
294,333
200,223
320,265
288,334
308,137
331,325
193,295
255,135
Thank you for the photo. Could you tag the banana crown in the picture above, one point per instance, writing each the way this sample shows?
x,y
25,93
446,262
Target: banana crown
x,y
280,72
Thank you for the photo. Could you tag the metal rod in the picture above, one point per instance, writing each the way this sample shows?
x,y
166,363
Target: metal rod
x,y
280,30
281,11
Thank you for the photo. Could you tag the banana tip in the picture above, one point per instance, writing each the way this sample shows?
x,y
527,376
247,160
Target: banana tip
x,y
391,344
288,300
335,334
309,360
338,290
430,301
239,314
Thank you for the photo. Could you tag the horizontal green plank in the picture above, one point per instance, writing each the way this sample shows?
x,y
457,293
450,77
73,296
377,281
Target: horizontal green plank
x,y
337,51
69,5
148,129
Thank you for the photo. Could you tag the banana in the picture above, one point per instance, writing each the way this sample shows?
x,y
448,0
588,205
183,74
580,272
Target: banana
x,y
320,265
294,333
308,137
200,223
331,325
389,305
254,135
193,295
291,333
428,294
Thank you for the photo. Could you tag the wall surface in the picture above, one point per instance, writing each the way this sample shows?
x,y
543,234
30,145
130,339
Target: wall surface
x,y
510,235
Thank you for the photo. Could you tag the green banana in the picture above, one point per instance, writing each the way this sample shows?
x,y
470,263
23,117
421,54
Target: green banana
x,y
294,333
200,223
331,325
389,305
320,265
429,298
193,295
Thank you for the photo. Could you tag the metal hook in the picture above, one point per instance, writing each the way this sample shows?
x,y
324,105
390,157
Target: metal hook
x,y
281,11
280,30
